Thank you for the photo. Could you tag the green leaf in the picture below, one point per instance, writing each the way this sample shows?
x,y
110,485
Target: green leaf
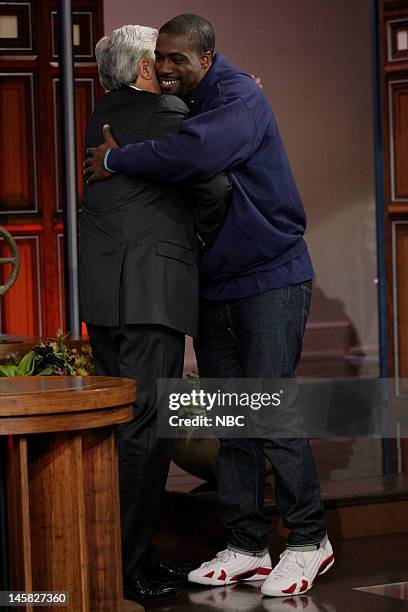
x,y
7,370
26,365
45,372
81,372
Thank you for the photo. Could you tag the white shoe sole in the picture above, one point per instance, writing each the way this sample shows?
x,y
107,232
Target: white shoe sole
x,y
257,574
299,589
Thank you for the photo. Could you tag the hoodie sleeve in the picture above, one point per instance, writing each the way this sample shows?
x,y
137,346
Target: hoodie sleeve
x,y
211,142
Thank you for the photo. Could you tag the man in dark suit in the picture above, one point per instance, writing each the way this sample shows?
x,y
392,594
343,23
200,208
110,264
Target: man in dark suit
x,y
139,283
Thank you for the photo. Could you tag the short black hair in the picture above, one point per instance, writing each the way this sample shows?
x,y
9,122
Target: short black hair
x,y
198,30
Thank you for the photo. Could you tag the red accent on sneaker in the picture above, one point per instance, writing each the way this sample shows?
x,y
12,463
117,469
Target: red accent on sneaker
x,y
264,571
222,576
305,584
209,575
324,564
246,574
291,589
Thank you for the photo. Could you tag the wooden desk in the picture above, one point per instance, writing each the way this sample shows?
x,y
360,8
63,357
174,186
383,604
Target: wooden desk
x,y
63,496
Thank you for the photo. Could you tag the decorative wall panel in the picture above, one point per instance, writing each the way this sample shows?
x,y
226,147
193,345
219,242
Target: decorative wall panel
x,y
397,40
15,26
400,297
398,104
83,38
21,307
18,175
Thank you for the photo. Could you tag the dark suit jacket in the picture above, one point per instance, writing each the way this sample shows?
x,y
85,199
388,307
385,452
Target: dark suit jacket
x,y
137,233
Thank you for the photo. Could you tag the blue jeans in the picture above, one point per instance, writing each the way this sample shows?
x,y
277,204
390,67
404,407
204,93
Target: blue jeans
x,y
261,337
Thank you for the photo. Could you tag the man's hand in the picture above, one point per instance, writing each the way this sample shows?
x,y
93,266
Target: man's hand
x,y
94,169
257,80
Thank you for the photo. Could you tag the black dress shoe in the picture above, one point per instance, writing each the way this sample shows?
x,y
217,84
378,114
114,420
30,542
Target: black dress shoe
x,y
143,591
168,574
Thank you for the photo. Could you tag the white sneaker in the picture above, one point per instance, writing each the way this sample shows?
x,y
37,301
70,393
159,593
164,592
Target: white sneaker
x,y
296,571
229,567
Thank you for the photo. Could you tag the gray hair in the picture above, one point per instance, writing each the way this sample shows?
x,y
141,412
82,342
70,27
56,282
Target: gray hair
x,y
117,55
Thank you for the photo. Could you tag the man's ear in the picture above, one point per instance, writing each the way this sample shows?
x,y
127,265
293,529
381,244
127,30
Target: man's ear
x,y
206,60
145,69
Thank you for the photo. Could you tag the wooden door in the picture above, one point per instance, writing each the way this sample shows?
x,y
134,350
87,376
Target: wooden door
x,y
394,84
31,185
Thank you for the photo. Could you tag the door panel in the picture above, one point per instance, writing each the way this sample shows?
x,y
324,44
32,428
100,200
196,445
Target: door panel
x,y
18,176
22,308
398,96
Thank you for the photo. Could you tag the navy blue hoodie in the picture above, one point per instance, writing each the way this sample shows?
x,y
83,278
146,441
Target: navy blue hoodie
x,y
231,127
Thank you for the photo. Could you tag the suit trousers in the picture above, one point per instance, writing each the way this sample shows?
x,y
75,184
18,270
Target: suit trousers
x,y
145,353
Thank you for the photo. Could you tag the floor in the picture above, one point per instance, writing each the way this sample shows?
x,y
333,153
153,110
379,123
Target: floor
x,y
351,585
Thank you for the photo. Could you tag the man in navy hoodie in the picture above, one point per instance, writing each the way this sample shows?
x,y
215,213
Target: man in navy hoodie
x,y
255,289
